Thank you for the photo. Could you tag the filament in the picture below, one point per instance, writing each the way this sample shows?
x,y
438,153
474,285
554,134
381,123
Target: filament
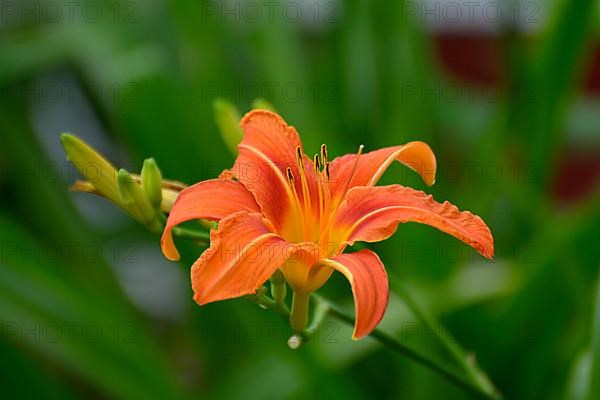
x,y
297,210
305,192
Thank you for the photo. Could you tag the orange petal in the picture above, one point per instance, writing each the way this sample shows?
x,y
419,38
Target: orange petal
x,y
267,149
369,283
213,199
418,156
243,254
372,214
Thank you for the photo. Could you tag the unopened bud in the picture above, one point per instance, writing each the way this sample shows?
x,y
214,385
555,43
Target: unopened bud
x,y
134,199
262,104
95,169
228,118
152,182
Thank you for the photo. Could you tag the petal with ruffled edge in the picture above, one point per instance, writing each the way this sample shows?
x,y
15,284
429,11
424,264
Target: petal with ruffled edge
x,y
266,151
213,200
418,156
372,214
369,282
244,253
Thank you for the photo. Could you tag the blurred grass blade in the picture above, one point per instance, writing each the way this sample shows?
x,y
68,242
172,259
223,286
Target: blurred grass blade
x,y
48,315
555,72
594,379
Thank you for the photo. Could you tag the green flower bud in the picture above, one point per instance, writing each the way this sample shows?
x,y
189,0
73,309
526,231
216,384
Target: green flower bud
x,y
151,179
134,199
228,118
262,104
95,169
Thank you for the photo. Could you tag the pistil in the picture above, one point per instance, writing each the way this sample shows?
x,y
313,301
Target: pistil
x,y
330,208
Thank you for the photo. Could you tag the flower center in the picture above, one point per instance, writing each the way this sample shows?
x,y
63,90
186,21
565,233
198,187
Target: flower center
x,y
312,215
313,210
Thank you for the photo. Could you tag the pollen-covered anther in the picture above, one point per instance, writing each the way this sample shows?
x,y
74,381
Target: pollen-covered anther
x,y
324,154
299,159
317,163
290,175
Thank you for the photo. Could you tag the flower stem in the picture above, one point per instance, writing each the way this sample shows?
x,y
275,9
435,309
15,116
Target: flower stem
x,y
191,234
465,362
299,314
480,388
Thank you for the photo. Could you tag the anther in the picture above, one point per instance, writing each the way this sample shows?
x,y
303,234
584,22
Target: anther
x,y
324,154
317,162
290,175
299,158
327,172
360,149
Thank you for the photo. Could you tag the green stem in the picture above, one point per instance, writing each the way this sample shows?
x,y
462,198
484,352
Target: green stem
x,y
264,301
299,314
191,234
474,387
449,343
324,307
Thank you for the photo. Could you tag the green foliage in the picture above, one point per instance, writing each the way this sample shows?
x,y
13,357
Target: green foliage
x,y
174,78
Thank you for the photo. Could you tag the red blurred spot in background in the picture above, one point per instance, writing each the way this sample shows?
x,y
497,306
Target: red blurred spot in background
x,y
478,59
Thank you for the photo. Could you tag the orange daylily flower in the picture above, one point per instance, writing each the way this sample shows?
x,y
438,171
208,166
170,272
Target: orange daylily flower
x,y
279,209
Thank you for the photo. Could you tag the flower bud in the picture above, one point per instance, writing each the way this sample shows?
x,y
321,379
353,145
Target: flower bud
x,y
228,118
134,199
151,179
95,169
262,104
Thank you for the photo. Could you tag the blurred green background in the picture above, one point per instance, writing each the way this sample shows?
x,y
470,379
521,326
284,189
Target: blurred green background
x,y
509,102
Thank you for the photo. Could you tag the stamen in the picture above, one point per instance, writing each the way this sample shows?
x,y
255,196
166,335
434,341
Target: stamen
x,y
317,162
305,193
299,159
290,175
324,237
319,178
296,205
324,154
